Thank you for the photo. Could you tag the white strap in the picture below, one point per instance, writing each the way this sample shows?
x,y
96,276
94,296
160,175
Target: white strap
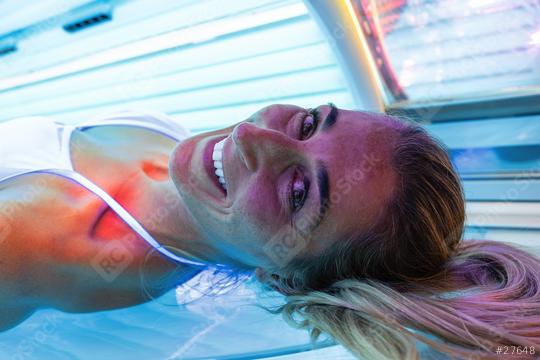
x,y
67,133
132,123
149,119
118,120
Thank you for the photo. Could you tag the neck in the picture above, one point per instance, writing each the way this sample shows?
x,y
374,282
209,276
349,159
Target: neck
x,y
166,218
172,225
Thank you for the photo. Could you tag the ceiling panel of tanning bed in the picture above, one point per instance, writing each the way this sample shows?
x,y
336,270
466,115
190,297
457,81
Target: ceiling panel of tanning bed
x,y
514,188
256,51
18,14
498,160
527,239
213,96
502,147
507,131
204,85
209,86
449,50
132,21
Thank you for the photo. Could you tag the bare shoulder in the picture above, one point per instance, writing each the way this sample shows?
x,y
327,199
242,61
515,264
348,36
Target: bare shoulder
x,y
24,202
26,199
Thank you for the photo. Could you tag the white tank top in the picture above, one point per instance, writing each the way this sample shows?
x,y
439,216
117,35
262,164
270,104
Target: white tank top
x,y
42,145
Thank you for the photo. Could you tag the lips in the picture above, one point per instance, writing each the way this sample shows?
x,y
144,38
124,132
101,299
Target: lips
x,y
209,164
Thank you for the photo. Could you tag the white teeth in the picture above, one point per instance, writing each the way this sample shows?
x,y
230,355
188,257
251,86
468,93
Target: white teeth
x,y
217,156
219,145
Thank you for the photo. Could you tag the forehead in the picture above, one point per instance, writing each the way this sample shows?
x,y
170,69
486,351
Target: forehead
x,y
356,151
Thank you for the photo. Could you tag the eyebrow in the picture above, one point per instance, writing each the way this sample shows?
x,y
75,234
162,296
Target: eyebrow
x,y
324,192
323,184
330,118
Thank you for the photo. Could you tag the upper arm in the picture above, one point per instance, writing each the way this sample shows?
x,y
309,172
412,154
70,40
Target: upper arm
x,y
37,217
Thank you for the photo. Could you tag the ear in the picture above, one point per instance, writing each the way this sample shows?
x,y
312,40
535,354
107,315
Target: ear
x,y
156,167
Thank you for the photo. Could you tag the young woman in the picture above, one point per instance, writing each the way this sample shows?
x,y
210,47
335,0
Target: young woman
x,y
356,217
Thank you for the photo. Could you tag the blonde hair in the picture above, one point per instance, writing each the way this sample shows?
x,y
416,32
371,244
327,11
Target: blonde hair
x,y
411,273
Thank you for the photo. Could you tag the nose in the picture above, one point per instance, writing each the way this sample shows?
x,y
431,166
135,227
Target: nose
x,y
258,146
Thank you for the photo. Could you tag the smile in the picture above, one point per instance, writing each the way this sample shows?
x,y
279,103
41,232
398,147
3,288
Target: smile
x,y
217,157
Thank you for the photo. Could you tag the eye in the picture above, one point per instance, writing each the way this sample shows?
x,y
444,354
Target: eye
x,y
308,124
298,191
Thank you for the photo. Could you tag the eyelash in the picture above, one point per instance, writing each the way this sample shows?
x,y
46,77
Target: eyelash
x,y
296,206
314,113
305,182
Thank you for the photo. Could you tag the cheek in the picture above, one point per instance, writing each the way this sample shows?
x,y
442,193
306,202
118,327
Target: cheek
x,y
258,209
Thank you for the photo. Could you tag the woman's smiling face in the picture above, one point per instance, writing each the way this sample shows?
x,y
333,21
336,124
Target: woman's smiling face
x,y
296,180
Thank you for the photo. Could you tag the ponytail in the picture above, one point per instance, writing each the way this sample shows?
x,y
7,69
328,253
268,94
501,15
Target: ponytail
x,y
486,298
